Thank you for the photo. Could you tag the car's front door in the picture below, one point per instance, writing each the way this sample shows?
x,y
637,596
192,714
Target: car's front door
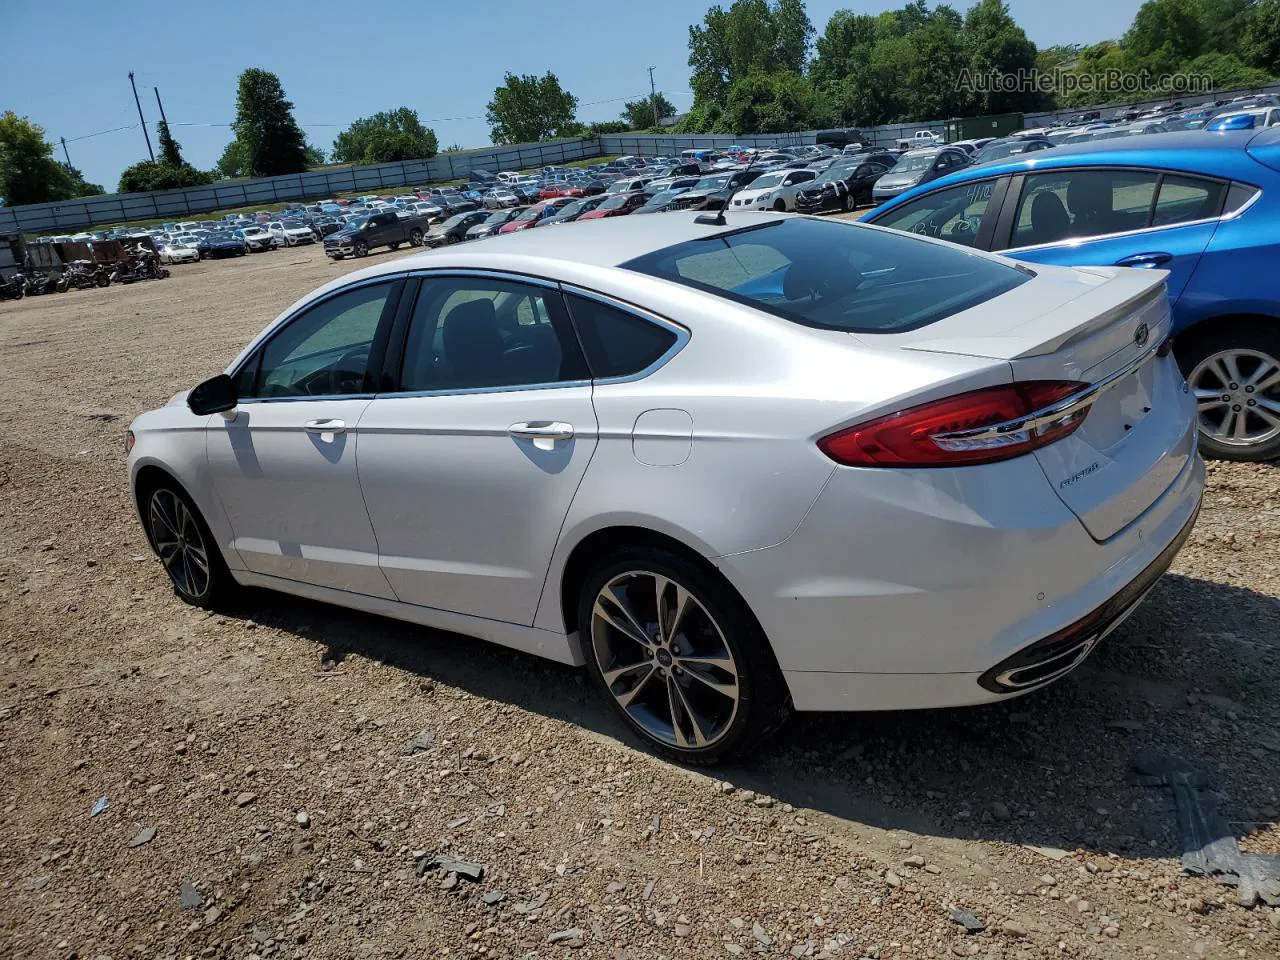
x,y
469,465
1114,216
283,463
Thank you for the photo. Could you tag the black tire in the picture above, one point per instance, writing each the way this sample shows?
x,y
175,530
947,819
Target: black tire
x,y
163,506
779,206
360,248
450,238
762,701
1252,337
103,279
848,203
395,246
339,256
415,237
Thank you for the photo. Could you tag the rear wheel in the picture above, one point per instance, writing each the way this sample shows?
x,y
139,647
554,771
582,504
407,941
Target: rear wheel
x,y
415,237
186,548
1234,373
679,655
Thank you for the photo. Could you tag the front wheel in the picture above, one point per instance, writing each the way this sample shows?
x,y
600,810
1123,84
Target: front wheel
x,y
679,655
779,206
451,238
848,203
360,248
1234,373
186,548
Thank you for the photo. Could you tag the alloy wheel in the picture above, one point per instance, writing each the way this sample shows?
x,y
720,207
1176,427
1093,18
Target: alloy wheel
x,y
664,659
1238,396
178,541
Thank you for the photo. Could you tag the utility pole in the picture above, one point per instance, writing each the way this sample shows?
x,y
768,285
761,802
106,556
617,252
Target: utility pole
x,y
161,106
653,97
141,118
64,150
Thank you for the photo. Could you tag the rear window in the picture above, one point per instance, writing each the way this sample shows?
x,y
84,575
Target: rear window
x,y
833,275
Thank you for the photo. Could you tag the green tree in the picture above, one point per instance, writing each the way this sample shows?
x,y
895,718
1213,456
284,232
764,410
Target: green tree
x,y
996,44
158,175
1228,71
1224,23
234,161
528,108
28,172
314,155
752,36
1260,39
271,143
941,55
778,102
1166,34
639,115
390,135
170,149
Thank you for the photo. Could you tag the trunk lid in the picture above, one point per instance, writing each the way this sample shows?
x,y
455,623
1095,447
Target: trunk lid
x,y
1094,325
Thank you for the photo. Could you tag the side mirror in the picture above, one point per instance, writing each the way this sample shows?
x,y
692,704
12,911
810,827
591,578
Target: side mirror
x,y
215,395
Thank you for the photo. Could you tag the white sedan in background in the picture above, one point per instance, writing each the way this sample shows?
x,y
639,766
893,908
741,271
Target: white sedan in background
x,y
775,190
735,467
178,251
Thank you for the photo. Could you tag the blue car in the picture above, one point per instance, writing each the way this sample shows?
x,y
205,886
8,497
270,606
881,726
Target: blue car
x,y
1206,208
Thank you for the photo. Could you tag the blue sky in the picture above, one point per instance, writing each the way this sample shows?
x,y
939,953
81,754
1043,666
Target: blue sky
x,y
339,61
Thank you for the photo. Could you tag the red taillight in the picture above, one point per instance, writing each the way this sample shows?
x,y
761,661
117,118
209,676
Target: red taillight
x,y
933,434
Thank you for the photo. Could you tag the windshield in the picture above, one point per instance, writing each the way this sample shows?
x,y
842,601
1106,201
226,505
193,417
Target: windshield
x,y
495,218
665,196
842,172
711,183
909,164
614,202
531,214
833,275
767,180
570,209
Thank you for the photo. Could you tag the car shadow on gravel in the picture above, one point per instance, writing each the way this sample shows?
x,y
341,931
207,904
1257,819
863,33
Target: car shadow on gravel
x,y
1194,675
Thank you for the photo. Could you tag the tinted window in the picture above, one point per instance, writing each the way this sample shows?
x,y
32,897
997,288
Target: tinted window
x,y
472,332
834,275
1183,199
954,214
1083,203
617,343
322,352
1238,196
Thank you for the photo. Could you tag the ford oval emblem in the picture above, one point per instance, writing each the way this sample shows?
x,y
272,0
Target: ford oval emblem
x,y
1142,335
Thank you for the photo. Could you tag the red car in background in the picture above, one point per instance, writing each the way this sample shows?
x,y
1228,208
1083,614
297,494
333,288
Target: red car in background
x,y
618,205
536,214
551,191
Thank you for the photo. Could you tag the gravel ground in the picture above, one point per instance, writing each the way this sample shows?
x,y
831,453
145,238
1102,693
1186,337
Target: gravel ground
x,y
280,780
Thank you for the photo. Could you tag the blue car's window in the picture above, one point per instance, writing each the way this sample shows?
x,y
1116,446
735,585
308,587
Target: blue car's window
x,y
955,214
1183,199
1063,204
834,275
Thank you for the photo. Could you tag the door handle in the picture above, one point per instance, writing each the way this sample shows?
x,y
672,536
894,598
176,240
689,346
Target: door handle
x,y
1145,260
325,426
543,433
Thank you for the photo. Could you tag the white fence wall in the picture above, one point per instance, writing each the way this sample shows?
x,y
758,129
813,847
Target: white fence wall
x,y
70,215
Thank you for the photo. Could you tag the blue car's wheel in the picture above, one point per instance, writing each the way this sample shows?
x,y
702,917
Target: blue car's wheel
x,y
1234,373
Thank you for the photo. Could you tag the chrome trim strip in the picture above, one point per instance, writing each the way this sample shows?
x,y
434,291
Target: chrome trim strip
x,y
1055,412
439,272
469,391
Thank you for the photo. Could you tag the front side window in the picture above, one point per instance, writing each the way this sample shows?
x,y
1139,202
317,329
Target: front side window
x,y
471,333
834,275
1071,204
322,352
956,213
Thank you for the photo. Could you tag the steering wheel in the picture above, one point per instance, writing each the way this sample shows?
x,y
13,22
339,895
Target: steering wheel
x,y
345,376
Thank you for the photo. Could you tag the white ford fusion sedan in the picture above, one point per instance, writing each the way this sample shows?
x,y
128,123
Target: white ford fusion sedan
x,y
734,468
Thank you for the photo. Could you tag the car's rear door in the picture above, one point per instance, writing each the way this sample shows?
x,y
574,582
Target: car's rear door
x,y
469,462
1105,216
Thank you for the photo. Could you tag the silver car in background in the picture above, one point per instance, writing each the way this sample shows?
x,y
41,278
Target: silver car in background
x,y
734,465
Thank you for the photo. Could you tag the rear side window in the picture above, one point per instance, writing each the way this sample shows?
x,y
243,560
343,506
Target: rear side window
x,y
617,343
834,275
1065,204
1238,196
1183,199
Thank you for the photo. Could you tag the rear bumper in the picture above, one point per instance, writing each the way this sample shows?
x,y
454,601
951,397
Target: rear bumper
x,y
902,591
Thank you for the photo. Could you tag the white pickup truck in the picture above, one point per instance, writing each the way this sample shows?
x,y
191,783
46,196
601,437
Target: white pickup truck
x,y
922,138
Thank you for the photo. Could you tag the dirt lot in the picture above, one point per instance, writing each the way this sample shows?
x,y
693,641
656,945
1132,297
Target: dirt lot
x,y
267,748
